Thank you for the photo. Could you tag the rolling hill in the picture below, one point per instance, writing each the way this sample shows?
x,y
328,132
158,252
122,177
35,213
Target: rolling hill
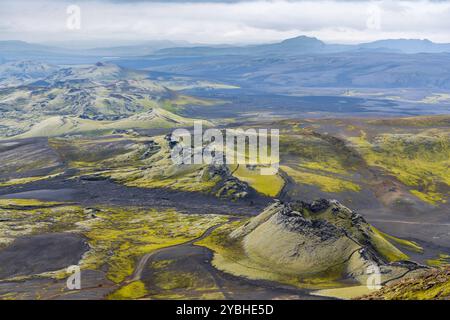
x,y
23,72
89,98
308,245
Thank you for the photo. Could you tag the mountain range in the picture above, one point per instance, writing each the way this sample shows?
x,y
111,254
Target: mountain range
x,y
20,50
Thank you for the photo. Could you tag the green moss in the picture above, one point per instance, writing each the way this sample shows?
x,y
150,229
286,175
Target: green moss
x,y
23,217
269,185
121,236
329,166
423,121
26,203
440,290
418,160
169,281
429,197
406,244
10,296
161,264
386,249
431,285
178,104
133,290
345,293
441,260
322,154
230,256
117,237
213,296
324,182
174,280
13,182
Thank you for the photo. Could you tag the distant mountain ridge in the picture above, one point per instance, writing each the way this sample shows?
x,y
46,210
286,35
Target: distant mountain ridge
x,y
409,46
308,45
282,67
13,50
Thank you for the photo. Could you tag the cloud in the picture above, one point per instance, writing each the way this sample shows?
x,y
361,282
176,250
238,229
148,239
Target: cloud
x,y
232,21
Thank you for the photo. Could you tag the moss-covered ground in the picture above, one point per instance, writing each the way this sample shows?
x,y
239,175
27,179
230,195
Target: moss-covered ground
x,y
117,237
432,285
420,161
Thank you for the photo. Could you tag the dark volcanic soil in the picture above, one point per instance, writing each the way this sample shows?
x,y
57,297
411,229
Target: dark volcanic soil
x,y
41,253
106,192
94,286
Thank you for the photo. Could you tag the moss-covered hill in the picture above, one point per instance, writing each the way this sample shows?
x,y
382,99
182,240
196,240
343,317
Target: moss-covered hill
x,y
98,97
308,245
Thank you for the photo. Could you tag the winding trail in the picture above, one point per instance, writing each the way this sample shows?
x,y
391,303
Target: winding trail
x,y
283,195
137,274
191,258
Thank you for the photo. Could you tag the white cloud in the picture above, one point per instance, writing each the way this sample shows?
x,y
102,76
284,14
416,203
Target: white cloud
x,y
230,22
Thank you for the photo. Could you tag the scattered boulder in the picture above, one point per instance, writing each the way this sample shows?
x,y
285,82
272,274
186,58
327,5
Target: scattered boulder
x,y
228,187
93,177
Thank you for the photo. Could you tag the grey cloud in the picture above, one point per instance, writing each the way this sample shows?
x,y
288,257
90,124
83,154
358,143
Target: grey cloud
x,y
225,21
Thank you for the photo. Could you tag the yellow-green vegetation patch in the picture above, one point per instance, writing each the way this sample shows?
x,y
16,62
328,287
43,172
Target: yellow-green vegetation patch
x,y
185,285
422,121
345,293
159,171
319,160
133,290
269,185
61,125
135,161
324,182
431,285
405,244
442,260
284,244
168,282
420,161
25,180
172,280
18,203
10,296
181,101
119,237
321,153
430,196
329,166
386,249
230,256
140,162
24,217
187,178
100,153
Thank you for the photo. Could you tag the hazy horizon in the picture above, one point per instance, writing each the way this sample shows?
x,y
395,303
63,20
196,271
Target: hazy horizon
x,y
117,22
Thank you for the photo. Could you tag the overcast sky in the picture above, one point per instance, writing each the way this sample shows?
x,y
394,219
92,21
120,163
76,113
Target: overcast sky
x,y
216,21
